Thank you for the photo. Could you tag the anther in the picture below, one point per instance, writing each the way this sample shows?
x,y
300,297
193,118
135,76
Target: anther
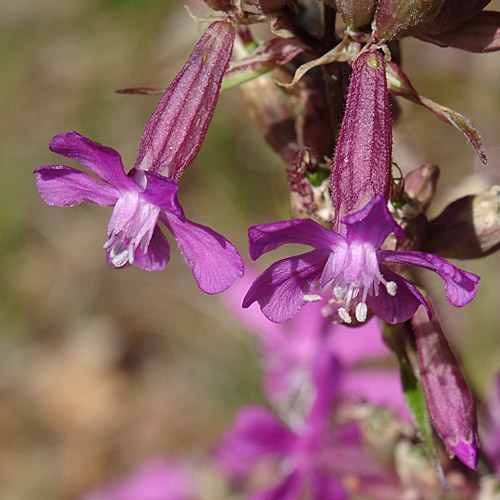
x,y
361,311
120,259
344,315
391,287
312,298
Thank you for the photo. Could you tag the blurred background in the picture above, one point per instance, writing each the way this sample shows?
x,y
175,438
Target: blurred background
x,y
99,368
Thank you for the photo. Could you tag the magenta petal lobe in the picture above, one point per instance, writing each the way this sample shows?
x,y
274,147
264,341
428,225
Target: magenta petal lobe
x,y
460,286
266,237
104,162
66,187
280,290
214,261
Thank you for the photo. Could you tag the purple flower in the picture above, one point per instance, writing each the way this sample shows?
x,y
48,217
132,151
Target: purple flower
x,y
290,352
158,479
310,457
143,198
353,267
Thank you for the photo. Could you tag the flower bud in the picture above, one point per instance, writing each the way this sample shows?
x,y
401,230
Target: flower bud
x,y
468,228
420,184
356,13
361,166
395,19
449,401
453,14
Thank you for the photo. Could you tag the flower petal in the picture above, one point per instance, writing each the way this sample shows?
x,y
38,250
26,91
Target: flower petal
x,y
157,254
272,337
372,224
460,286
357,344
398,308
280,289
326,488
266,237
175,132
289,489
66,187
256,434
326,371
104,162
162,193
214,261
377,386
157,479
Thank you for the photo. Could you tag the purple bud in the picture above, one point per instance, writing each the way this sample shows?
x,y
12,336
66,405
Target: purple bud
x,y
468,228
356,13
361,167
479,34
420,184
449,401
183,114
395,19
453,14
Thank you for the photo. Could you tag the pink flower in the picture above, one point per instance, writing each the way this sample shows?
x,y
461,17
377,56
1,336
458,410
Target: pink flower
x,y
352,267
144,198
158,479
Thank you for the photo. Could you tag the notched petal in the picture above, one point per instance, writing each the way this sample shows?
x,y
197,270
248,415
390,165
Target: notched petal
x,y
213,260
103,161
66,187
460,286
281,288
266,237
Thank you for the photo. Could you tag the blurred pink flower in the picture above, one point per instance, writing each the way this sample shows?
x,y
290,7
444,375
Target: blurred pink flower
x,y
290,351
159,479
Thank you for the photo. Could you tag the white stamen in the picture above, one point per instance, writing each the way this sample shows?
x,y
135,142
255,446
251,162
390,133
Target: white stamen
x,y
344,315
339,292
391,287
131,253
118,254
108,243
312,298
361,311
120,259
